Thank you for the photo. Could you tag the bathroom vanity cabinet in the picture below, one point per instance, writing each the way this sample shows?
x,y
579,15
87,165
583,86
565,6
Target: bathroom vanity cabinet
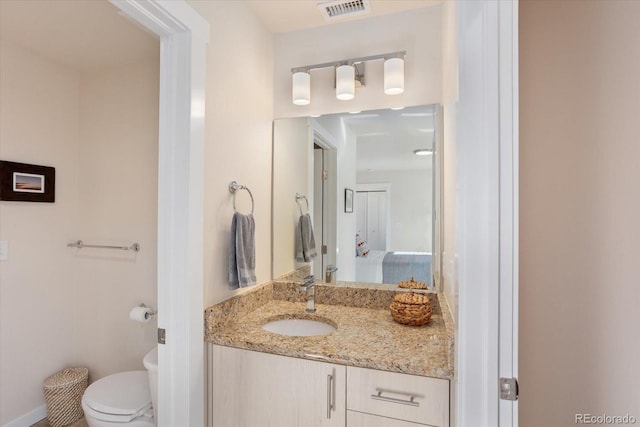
x,y
248,389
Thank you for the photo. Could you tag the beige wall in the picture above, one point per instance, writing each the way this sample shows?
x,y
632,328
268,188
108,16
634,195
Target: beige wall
x,y
39,123
62,307
239,112
117,204
579,210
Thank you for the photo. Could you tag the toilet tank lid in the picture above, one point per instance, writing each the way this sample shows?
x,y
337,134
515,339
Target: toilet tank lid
x,y
125,393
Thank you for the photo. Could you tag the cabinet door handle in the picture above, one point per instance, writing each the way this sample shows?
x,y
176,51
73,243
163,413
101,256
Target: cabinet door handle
x,y
410,402
330,396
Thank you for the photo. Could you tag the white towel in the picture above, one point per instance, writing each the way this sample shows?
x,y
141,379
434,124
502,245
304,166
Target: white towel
x,y
305,240
242,251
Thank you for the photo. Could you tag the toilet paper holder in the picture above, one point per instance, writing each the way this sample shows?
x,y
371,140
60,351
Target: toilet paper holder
x,y
142,313
150,313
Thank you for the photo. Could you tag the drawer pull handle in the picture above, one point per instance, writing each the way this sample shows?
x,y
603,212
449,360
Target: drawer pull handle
x,y
410,402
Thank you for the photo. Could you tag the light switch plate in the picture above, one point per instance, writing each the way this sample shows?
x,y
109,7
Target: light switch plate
x,y
4,250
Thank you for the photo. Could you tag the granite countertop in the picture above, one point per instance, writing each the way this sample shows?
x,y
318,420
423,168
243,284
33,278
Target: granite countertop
x,y
366,335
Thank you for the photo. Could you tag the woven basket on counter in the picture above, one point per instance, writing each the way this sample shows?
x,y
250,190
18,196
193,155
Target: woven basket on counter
x,y
63,394
411,309
412,284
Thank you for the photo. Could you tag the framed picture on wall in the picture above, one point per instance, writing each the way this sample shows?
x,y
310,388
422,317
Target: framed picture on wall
x,y
348,200
22,182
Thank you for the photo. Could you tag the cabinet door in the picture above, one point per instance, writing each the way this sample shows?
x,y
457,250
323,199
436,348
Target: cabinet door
x,y
250,389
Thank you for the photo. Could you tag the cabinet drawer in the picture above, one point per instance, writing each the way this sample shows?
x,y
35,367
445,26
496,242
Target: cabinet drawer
x,y
412,398
358,419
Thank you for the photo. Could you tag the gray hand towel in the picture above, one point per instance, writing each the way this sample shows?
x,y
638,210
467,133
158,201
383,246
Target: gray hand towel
x,y
305,240
242,251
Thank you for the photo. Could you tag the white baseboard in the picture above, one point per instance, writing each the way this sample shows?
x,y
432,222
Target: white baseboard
x,y
29,418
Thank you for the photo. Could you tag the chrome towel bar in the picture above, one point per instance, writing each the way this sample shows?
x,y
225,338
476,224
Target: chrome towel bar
x,y
80,244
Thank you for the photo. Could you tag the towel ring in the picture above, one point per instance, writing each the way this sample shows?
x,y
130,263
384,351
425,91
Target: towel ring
x,y
233,188
298,197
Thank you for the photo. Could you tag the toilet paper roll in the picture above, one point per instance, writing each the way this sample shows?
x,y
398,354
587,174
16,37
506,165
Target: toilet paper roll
x,y
140,314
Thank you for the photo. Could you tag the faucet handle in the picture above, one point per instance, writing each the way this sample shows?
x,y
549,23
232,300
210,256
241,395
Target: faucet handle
x,y
308,281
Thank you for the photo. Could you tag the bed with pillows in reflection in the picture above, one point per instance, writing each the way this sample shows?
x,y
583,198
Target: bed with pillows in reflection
x,y
393,267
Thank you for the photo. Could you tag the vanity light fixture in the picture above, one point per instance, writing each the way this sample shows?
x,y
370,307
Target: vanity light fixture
x,y
349,75
345,82
301,88
423,151
394,76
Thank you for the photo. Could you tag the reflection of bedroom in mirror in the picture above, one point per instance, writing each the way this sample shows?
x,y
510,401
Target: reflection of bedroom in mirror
x,y
390,159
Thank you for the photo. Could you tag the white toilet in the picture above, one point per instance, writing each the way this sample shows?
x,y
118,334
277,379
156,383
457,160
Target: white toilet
x,y
150,363
125,398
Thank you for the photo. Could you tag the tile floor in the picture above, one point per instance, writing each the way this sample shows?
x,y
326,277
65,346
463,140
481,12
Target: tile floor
x,y
80,423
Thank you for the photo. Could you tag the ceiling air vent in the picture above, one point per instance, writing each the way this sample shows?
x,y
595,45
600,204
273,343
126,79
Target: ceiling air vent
x,y
343,8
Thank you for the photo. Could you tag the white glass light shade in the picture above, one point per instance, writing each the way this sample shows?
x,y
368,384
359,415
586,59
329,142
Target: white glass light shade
x,y
301,88
345,82
394,76
423,152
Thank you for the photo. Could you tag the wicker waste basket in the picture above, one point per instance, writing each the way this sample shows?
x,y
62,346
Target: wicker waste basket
x,y
63,394
411,309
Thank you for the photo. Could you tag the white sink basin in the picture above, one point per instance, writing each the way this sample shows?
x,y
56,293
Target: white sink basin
x,y
299,327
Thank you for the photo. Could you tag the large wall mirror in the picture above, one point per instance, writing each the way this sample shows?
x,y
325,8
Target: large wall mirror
x,y
370,185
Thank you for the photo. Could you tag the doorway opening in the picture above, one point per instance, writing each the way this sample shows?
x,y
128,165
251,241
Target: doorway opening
x,y
324,205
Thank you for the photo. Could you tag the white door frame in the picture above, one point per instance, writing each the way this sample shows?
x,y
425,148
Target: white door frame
x,y
184,35
325,140
509,201
487,211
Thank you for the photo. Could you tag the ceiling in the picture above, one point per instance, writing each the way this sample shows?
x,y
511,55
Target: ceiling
x,y
81,34
387,138
90,34
281,16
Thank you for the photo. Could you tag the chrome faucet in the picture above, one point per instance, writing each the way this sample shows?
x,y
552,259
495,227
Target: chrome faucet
x,y
309,286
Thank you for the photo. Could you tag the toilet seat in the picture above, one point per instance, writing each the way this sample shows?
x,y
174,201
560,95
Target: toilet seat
x,y
119,398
